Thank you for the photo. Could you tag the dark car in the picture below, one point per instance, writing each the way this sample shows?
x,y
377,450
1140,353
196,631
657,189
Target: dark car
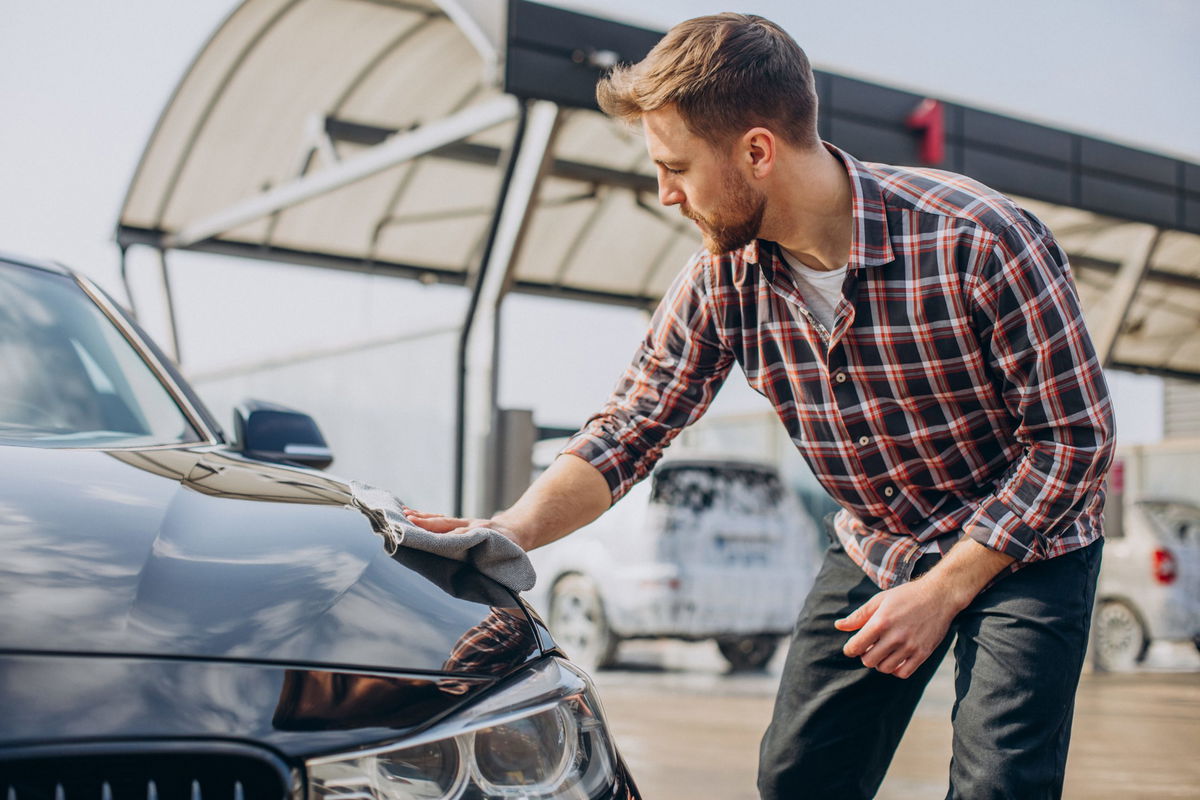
x,y
185,616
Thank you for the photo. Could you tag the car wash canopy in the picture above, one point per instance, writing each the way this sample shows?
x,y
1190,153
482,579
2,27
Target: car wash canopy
x,y
457,141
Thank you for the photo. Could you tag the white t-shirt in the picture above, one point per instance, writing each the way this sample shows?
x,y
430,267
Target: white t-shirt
x,y
822,290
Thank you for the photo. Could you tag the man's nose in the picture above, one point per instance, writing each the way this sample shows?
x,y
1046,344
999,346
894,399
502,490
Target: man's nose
x,y
669,194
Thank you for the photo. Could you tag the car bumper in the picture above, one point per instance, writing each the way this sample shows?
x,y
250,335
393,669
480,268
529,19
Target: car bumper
x,y
70,714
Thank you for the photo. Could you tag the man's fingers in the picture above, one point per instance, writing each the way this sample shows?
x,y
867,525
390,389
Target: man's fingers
x,y
872,646
863,641
438,524
859,616
860,648
412,512
891,663
909,666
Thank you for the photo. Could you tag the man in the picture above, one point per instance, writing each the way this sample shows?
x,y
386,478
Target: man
x,y
921,340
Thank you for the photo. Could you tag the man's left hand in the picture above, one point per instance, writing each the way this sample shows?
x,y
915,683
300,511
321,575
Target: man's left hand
x,y
898,628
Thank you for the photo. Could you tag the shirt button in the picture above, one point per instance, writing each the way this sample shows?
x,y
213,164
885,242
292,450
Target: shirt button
x,y
888,491
840,377
864,440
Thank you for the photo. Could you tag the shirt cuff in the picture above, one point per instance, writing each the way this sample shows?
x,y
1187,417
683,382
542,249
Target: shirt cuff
x,y
997,526
604,457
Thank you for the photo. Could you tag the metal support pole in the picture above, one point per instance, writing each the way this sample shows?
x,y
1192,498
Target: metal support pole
x,y
125,282
166,279
477,460
1110,313
507,162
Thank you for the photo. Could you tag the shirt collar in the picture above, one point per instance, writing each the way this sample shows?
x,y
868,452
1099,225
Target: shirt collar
x,y
751,252
871,246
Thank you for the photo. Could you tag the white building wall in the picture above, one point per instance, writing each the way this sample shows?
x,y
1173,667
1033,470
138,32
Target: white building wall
x,y
1166,470
1181,409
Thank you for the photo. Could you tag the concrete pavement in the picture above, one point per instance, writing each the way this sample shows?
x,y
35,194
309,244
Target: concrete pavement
x,y
689,731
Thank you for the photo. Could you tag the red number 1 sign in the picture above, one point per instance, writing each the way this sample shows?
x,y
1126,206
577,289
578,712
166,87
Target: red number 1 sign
x,y
929,117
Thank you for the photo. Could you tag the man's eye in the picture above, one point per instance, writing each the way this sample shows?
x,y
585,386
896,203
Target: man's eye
x,y
673,171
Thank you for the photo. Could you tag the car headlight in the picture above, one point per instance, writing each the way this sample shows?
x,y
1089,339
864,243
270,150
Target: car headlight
x,y
542,736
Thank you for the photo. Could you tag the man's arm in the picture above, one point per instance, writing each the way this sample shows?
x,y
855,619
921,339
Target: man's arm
x,y
675,373
567,496
1032,331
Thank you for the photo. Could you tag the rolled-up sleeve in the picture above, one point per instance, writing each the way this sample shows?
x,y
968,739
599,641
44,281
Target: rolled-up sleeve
x,y
673,377
1028,316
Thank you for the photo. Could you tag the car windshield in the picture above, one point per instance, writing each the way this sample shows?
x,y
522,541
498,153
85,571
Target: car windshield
x,y
68,378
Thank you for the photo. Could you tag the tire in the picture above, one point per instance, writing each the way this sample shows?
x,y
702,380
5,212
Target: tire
x,y
579,624
1119,640
748,653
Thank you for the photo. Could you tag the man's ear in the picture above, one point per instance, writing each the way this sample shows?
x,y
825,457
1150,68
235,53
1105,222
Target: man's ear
x,y
757,147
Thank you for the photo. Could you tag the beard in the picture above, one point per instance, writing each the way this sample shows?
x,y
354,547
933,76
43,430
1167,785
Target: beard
x,y
738,223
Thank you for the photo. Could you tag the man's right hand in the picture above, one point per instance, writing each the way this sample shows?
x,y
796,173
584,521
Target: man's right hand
x,y
440,523
568,495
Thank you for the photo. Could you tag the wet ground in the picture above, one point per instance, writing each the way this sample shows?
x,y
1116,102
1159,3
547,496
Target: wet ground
x,y
689,731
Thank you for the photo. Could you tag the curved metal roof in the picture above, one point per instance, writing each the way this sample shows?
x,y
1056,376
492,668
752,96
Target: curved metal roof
x,y
1157,327
289,89
372,135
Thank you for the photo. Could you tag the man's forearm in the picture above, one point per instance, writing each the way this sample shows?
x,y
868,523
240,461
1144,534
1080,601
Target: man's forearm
x,y
964,571
567,496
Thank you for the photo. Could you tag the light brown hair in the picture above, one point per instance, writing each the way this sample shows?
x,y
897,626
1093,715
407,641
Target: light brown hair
x,y
724,73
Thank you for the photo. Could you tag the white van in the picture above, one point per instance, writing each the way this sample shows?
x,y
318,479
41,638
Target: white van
x,y
704,548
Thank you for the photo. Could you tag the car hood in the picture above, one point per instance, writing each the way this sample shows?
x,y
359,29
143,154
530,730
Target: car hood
x,y
200,553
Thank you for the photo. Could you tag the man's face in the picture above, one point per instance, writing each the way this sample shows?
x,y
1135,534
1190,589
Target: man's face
x,y
704,181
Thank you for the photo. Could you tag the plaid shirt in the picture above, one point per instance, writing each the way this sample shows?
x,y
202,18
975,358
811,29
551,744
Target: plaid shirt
x,y
958,390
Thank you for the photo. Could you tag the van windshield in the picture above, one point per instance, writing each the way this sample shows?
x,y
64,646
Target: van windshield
x,y
725,488
721,515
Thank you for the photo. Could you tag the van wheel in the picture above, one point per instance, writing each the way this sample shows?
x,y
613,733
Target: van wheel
x,y
579,625
748,653
1119,639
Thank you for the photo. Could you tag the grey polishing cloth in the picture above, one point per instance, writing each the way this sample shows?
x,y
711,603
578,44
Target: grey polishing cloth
x,y
489,551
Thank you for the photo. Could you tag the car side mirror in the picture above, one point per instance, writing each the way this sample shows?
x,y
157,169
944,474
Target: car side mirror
x,y
271,432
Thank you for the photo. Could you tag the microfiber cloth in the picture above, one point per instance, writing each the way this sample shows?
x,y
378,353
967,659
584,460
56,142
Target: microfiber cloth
x,y
489,551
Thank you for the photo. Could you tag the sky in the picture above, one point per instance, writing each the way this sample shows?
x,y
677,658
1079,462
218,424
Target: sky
x,y
82,83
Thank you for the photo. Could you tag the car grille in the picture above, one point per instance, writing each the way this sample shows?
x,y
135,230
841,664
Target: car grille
x,y
141,776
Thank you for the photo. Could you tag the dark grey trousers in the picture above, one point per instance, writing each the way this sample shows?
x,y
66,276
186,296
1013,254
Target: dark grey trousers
x,y
1019,651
